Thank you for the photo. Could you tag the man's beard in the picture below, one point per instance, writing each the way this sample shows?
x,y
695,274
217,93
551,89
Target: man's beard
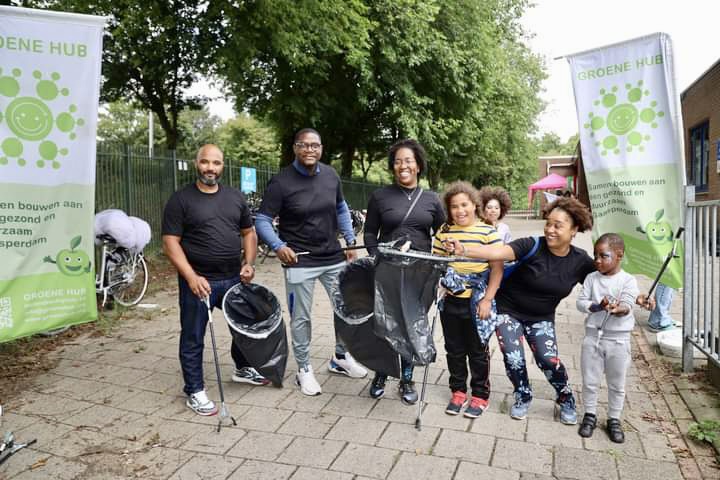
x,y
210,182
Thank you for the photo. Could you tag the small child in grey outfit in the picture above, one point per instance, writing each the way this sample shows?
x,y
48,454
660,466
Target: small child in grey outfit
x,y
608,296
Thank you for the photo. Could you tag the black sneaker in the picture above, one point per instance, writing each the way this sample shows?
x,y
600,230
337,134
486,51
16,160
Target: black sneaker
x,y
615,431
377,387
589,422
408,394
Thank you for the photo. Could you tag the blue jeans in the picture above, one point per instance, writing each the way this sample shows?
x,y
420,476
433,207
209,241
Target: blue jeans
x,y
543,343
193,322
660,316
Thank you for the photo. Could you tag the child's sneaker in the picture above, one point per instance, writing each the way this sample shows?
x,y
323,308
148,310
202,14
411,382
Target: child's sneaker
x,y
249,375
199,403
456,403
476,408
615,430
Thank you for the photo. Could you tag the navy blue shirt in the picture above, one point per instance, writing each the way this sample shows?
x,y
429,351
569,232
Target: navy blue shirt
x,y
307,207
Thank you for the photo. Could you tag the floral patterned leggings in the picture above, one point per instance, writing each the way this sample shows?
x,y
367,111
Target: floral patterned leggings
x,y
541,338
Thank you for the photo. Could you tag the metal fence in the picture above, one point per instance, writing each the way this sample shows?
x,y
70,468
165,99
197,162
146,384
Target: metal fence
x,y
130,179
701,295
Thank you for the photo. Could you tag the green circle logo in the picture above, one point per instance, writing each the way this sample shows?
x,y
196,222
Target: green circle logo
x,y
622,119
29,118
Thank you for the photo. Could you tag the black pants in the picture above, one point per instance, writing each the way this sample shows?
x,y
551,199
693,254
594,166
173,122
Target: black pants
x,y
463,347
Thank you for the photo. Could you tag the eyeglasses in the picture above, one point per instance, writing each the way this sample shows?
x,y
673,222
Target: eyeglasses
x,y
308,146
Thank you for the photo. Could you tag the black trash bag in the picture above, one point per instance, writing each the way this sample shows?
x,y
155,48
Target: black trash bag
x,y
405,289
353,302
255,319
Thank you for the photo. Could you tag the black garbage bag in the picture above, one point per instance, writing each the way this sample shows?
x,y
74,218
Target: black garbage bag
x,y
257,328
353,302
405,289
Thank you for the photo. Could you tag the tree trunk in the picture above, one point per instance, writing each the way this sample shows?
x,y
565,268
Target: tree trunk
x,y
434,178
287,154
347,161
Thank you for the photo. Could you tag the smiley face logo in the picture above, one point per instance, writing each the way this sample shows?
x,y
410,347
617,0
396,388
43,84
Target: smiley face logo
x,y
29,118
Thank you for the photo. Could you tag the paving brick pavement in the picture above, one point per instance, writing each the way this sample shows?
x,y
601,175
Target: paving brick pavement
x,y
113,408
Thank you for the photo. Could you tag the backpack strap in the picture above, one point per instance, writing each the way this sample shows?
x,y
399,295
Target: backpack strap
x,y
533,250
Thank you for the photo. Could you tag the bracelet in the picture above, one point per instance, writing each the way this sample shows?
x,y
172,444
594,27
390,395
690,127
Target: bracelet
x,y
463,250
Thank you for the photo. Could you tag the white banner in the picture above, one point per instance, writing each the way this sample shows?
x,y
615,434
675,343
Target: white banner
x,y
49,88
632,147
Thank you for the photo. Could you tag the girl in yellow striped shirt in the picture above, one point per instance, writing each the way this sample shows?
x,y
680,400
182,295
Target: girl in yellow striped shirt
x,y
462,342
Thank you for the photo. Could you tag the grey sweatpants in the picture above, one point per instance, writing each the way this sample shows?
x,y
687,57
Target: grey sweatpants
x,y
611,355
299,286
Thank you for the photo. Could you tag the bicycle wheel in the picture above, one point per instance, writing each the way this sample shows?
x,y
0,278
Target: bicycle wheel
x,y
133,288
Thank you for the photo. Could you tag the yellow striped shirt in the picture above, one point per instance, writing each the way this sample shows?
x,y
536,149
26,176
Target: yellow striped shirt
x,y
479,233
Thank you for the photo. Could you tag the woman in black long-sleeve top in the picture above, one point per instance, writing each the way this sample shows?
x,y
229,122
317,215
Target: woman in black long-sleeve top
x,y
386,221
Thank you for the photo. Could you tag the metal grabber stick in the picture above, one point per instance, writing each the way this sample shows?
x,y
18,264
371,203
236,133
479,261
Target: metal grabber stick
x,y
418,420
224,413
671,254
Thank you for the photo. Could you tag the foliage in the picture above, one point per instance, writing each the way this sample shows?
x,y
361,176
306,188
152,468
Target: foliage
x,y
152,52
123,123
705,431
550,144
454,75
246,140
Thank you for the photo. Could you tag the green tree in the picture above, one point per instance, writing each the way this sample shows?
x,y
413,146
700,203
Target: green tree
x,y
153,51
122,123
247,141
454,75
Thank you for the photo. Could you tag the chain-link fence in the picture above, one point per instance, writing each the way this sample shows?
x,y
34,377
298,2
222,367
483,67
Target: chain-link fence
x,y
131,179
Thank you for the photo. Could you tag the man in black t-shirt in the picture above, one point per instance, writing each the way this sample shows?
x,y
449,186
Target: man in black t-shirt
x,y
205,227
307,197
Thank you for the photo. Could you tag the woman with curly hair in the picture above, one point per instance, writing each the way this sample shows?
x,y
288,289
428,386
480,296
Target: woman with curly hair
x,y
549,267
495,204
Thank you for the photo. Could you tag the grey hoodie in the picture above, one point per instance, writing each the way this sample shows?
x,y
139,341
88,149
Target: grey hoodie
x,y
621,286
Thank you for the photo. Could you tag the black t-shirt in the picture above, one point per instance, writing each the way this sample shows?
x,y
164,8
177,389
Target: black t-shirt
x,y
536,287
386,209
307,207
208,225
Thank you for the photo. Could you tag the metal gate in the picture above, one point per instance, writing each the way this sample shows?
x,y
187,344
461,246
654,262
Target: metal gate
x,y
701,295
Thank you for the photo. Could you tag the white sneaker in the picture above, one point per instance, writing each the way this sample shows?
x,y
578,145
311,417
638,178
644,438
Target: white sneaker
x,y
199,403
305,379
347,366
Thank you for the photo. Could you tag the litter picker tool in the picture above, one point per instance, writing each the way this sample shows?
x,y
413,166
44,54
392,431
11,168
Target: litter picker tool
x,y
223,414
8,446
671,254
418,420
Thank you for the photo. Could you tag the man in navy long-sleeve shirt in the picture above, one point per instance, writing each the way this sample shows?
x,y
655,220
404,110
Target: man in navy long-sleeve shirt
x,y
307,197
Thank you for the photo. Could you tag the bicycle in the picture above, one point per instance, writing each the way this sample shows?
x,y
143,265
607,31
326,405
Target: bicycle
x,y
122,274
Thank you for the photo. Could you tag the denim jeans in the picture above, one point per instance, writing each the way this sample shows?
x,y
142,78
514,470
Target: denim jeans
x,y
543,343
193,323
660,316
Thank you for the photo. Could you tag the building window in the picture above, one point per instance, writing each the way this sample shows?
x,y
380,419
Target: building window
x,y
699,155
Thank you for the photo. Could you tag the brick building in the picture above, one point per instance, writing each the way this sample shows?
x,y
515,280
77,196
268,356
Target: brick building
x,y
701,128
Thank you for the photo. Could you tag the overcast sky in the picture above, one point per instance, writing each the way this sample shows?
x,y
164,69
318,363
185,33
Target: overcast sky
x,y
562,27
